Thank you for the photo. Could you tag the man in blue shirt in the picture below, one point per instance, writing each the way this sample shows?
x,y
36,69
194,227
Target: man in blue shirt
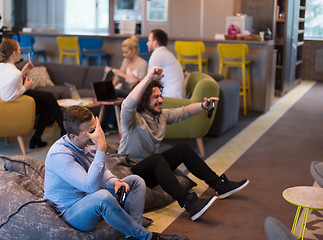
x,y
75,173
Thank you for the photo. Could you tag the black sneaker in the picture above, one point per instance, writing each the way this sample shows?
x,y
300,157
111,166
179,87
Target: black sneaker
x,y
224,187
196,207
171,236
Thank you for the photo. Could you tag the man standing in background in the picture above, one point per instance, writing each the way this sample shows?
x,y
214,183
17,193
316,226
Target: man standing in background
x,y
173,81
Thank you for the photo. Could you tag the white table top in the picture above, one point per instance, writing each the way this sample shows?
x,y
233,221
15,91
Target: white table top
x,y
305,196
71,101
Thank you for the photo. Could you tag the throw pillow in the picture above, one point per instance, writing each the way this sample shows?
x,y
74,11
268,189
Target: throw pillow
x,y
40,77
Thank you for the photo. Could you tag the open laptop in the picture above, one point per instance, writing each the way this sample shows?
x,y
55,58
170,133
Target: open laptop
x,y
104,91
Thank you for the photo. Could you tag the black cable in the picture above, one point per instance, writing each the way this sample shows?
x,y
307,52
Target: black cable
x,y
19,161
25,204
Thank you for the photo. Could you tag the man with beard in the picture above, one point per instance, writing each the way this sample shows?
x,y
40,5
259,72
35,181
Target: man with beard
x,y
143,125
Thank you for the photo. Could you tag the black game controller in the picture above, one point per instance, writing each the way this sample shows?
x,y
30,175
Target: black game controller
x,y
122,196
210,107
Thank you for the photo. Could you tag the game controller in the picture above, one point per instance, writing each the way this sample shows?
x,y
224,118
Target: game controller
x,y
210,107
122,196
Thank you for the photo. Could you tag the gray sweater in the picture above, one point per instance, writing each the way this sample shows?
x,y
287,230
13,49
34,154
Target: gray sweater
x,y
142,135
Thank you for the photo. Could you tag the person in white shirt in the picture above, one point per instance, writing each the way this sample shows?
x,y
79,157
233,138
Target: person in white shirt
x,y
12,86
173,81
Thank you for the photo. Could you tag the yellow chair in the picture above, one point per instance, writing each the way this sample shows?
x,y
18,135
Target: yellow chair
x,y
234,55
17,118
190,52
69,47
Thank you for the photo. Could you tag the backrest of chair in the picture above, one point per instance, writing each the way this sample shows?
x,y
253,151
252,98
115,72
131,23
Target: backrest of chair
x,y
231,51
143,49
26,43
68,44
90,43
189,48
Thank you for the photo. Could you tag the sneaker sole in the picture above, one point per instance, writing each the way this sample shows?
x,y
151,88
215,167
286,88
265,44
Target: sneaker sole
x,y
203,210
225,195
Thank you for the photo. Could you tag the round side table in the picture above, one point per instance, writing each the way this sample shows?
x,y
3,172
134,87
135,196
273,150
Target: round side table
x,y
306,197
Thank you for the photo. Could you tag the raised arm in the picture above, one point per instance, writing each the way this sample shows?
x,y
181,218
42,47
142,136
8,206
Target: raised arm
x,y
156,73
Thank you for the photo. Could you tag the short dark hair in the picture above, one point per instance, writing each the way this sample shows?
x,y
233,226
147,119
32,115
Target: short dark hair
x,y
74,116
144,101
160,36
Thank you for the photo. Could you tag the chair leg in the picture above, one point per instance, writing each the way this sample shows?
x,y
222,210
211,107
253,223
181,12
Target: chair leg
x,y
243,69
221,69
249,86
200,145
206,67
226,70
21,144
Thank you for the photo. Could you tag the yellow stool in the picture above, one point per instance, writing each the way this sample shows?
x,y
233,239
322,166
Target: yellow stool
x,y
190,52
69,47
306,197
234,55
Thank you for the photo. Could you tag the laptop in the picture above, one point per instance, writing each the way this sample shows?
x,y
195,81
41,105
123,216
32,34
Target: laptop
x,y
104,91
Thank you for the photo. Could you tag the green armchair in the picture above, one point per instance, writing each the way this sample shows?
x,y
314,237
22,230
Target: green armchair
x,y
199,85
17,118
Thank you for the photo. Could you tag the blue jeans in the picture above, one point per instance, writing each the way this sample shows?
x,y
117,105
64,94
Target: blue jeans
x,y
88,211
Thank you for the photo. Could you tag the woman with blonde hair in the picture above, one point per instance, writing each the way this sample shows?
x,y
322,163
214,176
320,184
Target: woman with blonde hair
x,y
133,68
12,86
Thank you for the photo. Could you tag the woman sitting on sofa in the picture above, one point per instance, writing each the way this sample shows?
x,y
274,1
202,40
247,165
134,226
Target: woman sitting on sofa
x,y
133,68
12,86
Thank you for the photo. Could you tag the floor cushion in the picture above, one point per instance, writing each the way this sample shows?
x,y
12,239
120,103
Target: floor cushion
x,y
22,189
24,214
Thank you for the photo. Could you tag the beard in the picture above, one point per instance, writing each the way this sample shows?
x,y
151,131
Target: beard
x,y
153,111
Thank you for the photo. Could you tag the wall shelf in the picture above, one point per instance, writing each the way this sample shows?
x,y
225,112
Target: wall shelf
x,y
289,58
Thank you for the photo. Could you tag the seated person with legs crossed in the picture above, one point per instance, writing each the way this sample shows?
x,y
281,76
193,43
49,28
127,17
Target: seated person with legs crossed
x,y
143,125
83,189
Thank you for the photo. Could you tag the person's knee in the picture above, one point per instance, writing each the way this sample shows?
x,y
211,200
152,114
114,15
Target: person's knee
x,y
184,147
103,196
135,181
157,159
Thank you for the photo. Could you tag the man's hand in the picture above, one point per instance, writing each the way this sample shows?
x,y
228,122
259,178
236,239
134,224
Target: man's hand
x,y
28,84
98,137
156,73
206,103
118,184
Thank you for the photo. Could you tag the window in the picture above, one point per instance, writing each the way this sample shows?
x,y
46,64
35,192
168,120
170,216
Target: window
x,y
69,16
314,20
83,16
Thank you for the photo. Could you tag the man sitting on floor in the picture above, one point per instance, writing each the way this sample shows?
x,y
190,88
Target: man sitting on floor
x,y
143,125
75,171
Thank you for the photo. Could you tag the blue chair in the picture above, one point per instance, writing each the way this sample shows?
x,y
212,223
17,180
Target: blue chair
x,y
26,44
143,49
90,48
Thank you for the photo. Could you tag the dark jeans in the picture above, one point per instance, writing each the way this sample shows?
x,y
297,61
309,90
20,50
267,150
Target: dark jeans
x,y
158,169
48,110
